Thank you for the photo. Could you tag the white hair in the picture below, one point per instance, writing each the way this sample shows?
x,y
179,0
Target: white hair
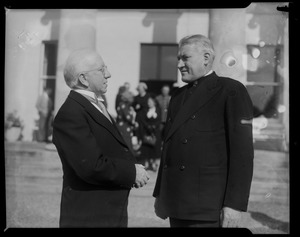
x,y
201,41
75,64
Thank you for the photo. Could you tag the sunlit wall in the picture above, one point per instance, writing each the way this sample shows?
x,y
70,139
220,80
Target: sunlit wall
x,y
25,31
252,47
250,43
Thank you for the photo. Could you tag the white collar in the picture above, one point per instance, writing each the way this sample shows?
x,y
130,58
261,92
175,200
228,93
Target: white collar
x,y
89,93
85,92
210,72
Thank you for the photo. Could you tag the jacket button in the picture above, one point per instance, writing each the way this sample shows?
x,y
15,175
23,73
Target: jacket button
x,y
193,116
184,141
182,167
126,150
165,166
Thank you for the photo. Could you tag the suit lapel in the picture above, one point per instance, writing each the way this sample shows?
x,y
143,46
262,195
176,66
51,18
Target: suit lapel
x,y
97,115
175,105
204,92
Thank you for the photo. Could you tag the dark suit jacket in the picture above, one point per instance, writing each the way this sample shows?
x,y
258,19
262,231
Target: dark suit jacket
x,y
207,158
98,168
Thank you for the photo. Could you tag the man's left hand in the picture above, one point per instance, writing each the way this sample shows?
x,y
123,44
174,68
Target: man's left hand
x,y
230,217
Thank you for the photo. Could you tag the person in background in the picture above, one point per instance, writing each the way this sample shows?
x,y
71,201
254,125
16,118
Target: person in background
x,y
140,104
126,118
44,106
125,87
149,129
163,100
98,168
206,167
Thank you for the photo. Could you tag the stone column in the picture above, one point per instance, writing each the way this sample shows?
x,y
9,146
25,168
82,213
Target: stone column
x,y
227,32
77,30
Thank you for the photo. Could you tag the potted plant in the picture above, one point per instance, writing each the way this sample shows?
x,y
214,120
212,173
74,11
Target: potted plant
x,y
13,127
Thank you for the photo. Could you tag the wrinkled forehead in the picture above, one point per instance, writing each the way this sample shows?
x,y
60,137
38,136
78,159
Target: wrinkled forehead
x,y
187,49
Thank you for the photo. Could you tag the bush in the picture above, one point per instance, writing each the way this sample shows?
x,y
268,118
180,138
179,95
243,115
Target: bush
x,y
13,120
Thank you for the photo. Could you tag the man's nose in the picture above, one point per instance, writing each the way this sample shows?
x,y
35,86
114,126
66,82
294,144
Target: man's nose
x,y
107,74
180,63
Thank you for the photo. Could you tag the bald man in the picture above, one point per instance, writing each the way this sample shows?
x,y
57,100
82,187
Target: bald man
x,y
98,168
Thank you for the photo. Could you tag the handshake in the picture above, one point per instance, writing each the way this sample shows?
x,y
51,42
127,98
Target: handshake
x,y
142,176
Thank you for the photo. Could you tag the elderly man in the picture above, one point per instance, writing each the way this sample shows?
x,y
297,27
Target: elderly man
x,y
206,167
99,169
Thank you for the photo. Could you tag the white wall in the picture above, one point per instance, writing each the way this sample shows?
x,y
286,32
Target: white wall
x,y
77,30
116,34
120,33
23,36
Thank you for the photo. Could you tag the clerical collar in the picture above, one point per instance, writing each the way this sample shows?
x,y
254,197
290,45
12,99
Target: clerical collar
x,y
199,80
210,72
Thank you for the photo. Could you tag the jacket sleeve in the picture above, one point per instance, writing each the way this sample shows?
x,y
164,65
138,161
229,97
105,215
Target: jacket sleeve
x,y
78,147
238,117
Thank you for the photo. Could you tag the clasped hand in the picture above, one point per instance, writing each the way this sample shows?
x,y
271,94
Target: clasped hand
x,y
142,176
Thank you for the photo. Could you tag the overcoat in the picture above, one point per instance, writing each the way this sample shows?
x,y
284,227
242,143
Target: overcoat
x,y
207,157
98,167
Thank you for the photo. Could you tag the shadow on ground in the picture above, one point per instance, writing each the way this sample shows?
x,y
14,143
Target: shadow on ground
x,y
270,222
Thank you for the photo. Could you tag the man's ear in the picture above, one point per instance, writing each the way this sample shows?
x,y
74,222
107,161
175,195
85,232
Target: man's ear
x,y
206,58
82,79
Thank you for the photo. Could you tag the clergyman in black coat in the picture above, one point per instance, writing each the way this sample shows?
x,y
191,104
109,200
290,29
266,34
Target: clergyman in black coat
x,y
206,166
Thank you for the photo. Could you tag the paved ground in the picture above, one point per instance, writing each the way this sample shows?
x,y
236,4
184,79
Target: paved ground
x,y
33,186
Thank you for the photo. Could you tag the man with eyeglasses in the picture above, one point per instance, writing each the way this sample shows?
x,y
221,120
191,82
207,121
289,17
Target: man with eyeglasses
x,y
99,169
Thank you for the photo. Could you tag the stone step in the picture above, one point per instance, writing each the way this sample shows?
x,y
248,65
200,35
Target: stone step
x,y
279,190
269,192
279,175
269,198
270,156
270,174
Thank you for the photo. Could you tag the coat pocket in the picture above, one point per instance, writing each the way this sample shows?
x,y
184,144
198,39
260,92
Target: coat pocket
x,y
195,192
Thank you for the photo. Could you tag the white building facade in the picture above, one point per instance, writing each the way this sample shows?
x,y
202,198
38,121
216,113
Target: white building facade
x,y
140,45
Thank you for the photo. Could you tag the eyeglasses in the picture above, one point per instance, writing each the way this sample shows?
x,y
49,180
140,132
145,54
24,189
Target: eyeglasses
x,y
101,69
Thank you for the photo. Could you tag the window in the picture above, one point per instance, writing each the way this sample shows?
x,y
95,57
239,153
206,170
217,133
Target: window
x,y
48,67
264,83
158,65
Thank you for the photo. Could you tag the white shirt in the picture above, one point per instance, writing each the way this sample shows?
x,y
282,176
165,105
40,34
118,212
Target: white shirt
x,y
91,94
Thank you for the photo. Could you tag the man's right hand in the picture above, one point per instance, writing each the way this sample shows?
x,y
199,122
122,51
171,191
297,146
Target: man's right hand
x,y
142,176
